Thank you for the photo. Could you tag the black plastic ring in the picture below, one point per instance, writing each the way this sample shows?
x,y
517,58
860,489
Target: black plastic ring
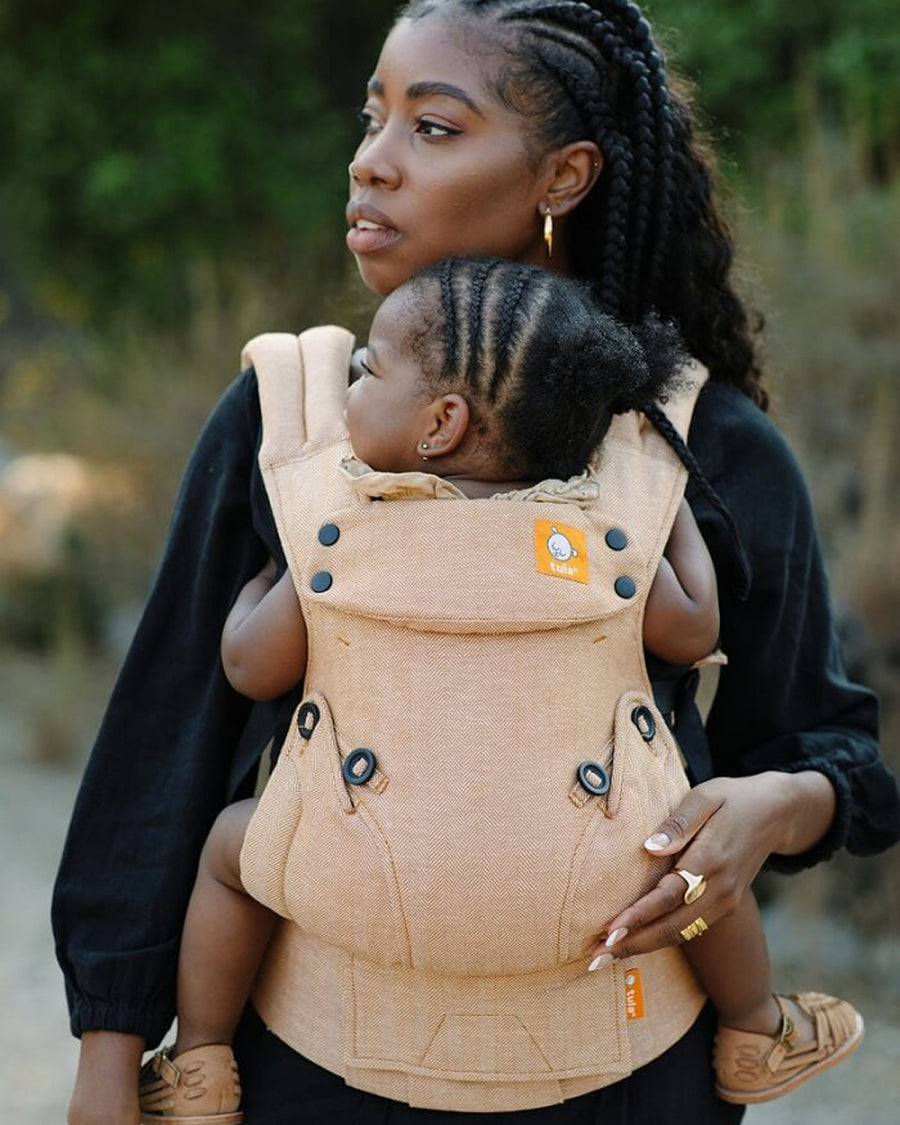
x,y
642,717
307,711
352,759
598,788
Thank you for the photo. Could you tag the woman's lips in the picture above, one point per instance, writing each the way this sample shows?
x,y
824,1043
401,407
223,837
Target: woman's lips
x,y
365,237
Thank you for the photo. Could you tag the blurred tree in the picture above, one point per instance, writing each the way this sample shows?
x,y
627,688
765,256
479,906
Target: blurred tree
x,y
761,68
139,138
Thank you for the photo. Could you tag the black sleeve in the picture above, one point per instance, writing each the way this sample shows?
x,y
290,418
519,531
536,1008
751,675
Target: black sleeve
x,y
159,770
784,701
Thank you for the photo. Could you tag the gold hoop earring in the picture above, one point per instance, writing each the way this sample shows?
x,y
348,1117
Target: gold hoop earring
x,y
548,232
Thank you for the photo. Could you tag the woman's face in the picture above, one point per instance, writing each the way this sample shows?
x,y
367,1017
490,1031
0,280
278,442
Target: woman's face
x,y
443,167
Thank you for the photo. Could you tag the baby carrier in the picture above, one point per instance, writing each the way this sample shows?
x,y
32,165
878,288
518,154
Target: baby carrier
x,y
460,805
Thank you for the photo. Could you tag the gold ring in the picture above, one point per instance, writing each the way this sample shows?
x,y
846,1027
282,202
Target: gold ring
x,y
696,885
695,929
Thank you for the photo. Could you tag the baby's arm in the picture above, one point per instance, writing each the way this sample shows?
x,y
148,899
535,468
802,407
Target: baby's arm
x,y
681,621
264,639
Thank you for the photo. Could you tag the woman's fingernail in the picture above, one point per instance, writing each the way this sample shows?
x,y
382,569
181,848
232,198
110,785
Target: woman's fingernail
x,y
657,842
601,960
616,935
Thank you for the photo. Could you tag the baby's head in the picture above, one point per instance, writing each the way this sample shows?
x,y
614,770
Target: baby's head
x,y
500,371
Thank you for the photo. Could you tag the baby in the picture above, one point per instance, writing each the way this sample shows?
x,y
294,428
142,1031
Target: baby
x,y
530,402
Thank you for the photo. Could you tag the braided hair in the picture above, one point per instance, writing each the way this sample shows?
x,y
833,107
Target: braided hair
x,y
542,369
648,235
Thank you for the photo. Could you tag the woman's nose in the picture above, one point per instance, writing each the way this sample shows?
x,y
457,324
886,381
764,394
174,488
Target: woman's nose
x,y
375,164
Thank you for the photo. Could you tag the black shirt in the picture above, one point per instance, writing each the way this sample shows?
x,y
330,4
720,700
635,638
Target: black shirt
x,y
177,743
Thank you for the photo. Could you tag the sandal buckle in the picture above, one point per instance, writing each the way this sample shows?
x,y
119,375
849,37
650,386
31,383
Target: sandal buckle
x,y
166,1069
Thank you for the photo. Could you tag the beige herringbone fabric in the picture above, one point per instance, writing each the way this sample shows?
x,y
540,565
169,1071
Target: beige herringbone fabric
x,y
442,913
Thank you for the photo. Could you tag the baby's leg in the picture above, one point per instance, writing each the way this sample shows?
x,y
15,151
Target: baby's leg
x,y
225,935
731,962
765,1047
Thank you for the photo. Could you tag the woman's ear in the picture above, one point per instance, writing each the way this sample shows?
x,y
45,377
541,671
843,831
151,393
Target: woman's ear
x,y
572,172
448,424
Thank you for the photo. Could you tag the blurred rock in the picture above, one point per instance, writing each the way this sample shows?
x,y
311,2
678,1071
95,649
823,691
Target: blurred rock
x,y
41,497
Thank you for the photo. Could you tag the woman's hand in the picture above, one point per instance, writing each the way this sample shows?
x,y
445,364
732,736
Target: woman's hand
x,y
106,1089
724,830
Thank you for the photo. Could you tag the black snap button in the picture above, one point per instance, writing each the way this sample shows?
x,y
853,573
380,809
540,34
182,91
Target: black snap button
x,y
354,776
616,539
307,719
321,582
329,533
642,717
593,778
625,587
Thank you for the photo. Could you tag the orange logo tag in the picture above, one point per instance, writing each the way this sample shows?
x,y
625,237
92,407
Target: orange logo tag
x,y
634,995
560,551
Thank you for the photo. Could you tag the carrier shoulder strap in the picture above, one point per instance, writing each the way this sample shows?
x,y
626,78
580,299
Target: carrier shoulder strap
x,y
302,389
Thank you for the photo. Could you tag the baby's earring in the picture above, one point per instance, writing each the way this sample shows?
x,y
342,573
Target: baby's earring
x,y
424,445
548,231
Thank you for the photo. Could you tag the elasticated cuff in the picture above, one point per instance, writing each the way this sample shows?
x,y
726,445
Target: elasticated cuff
x,y
149,1022
836,836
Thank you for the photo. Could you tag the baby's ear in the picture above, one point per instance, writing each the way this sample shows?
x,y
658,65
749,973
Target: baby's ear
x,y
452,419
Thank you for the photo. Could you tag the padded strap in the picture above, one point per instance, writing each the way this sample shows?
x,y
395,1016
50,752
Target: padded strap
x,y
326,356
302,389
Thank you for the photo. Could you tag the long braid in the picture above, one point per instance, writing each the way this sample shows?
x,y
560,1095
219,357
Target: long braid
x,y
629,280
663,425
617,156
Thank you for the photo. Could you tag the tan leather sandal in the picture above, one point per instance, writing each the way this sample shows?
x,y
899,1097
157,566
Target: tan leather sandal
x,y
198,1087
754,1068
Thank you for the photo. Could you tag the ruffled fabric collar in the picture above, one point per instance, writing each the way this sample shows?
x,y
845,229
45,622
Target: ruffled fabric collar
x,y
581,490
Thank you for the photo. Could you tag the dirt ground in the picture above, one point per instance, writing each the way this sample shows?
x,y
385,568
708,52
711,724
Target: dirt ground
x,y
38,1057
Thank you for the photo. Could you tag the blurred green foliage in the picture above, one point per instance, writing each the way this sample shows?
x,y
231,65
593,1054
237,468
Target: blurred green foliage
x,y
138,137
763,67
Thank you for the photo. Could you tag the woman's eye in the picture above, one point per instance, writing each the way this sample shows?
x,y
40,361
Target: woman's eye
x,y
435,129
368,122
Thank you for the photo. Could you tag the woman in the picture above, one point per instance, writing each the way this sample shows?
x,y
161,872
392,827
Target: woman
x,y
483,119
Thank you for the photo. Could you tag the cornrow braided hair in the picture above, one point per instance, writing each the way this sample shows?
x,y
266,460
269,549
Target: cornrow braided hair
x,y
450,321
480,276
544,371
648,235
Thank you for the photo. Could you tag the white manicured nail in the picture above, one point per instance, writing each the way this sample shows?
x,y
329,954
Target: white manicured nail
x,y
616,935
600,961
657,843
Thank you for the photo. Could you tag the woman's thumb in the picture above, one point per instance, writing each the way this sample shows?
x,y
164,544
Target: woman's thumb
x,y
681,825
